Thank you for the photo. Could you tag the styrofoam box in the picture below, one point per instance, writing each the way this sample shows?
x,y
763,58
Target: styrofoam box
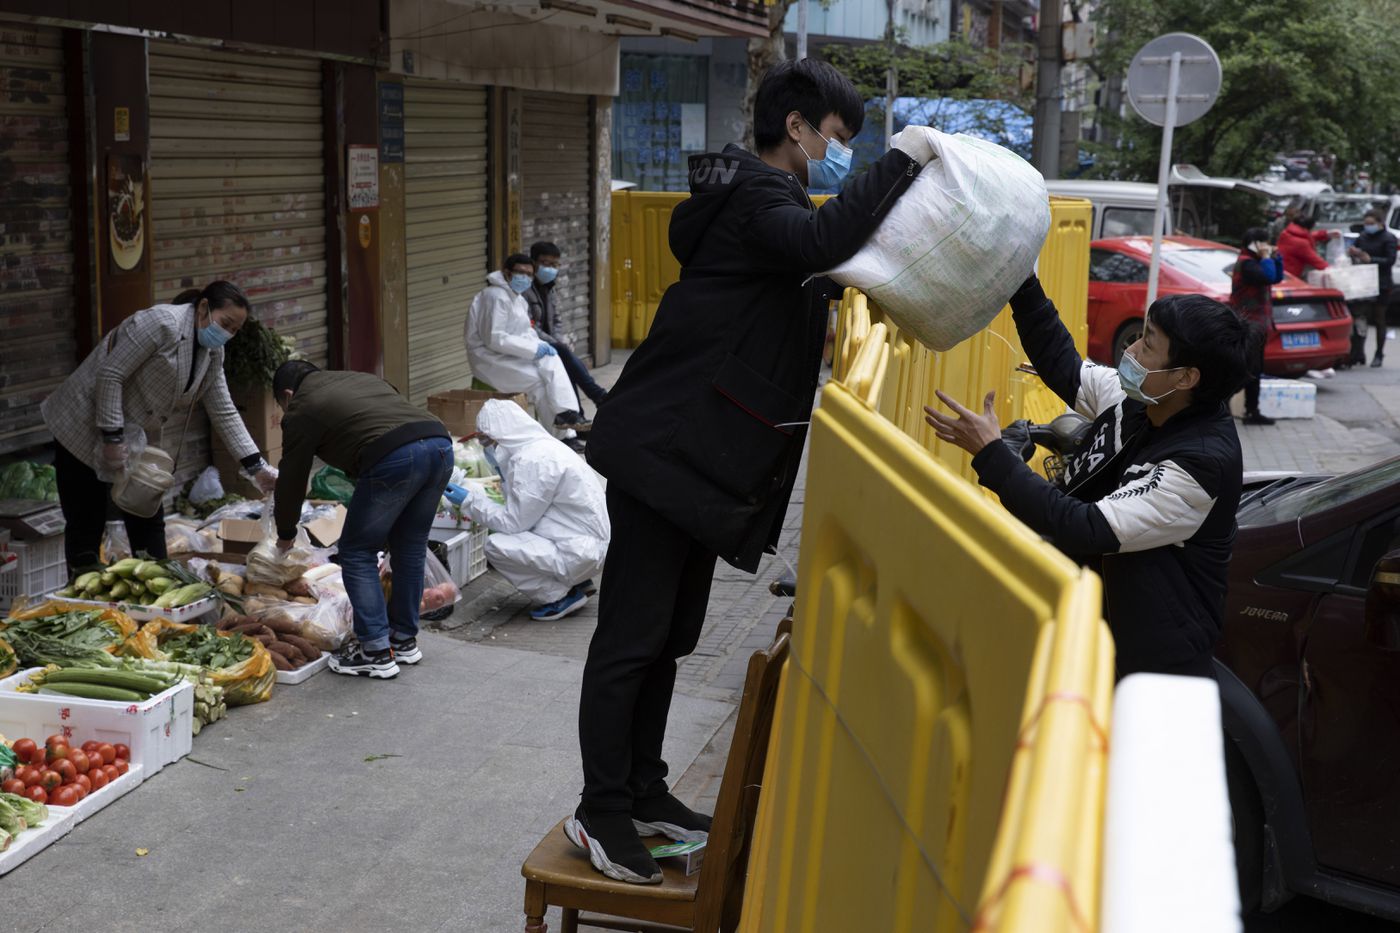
x,y
41,569
1282,398
1354,282
33,841
146,613
306,671
158,731
100,798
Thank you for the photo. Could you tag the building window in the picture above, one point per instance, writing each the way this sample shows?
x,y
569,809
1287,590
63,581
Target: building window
x,y
659,119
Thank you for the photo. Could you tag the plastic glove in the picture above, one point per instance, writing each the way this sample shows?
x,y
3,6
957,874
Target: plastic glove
x,y
913,142
266,479
457,495
545,350
114,456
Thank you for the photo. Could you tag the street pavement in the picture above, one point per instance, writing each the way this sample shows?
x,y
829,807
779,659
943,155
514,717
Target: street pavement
x,y
348,804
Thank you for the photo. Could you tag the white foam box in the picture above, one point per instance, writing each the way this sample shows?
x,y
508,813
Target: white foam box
x,y
1354,282
100,798
146,613
158,731
33,841
306,671
1281,398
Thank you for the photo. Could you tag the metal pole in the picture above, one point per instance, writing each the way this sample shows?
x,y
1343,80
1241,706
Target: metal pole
x,y
1045,141
1163,176
801,29
891,75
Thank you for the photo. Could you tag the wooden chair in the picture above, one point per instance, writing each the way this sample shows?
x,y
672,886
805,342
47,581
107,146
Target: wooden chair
x,y
559,874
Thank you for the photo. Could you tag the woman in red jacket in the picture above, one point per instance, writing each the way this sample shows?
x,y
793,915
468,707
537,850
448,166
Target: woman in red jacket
x,y
1296,246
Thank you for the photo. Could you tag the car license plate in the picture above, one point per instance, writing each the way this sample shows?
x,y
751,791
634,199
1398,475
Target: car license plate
x,y
1302,340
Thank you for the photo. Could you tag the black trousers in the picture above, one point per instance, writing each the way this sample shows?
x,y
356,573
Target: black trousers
x,y
85,501
656,588
1254,363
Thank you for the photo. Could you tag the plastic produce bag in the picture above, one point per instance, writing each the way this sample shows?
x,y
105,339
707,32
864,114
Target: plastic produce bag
x,y
955,247
267,564
1336,253
470,457
115,544
439,592
326,625
246,682
25,480
330,483
183,536
207,486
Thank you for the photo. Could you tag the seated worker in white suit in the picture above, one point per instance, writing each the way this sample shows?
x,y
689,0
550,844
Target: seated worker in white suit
x,y
507,354
550,537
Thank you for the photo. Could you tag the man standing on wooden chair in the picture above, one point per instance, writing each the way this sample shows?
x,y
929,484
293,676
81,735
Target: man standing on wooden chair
x,y
702,436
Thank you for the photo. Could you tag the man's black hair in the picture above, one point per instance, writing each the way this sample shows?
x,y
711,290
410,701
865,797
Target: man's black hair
x,y
1205,334
1306,221
518,259
1255,235
814,89
290,374
1373,214
544,248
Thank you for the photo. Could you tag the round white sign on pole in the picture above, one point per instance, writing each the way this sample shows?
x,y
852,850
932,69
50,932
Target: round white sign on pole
x,y
1150,71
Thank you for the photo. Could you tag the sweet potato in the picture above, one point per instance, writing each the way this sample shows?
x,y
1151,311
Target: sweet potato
x,y
308,650
264,589
304,600
287,651
298,587
281,623
281,663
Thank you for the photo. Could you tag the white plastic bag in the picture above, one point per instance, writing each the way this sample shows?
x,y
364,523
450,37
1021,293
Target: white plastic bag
x,y
955,246
267,564
207,487
1336,254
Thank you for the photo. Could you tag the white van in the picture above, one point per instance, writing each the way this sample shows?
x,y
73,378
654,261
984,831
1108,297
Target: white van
x,y
1121,208
1200,206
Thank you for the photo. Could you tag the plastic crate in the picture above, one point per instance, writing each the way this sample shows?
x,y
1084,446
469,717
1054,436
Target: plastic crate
x,y
466,552
41,569
158,731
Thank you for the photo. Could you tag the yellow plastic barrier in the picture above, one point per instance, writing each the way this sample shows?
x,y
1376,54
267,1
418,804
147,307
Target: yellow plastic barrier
x,y
938,754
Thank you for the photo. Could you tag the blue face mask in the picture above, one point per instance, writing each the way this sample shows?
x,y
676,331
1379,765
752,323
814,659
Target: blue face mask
x,y
520,283
1131,374
832,169
547,274
1372,228
213,336
490,454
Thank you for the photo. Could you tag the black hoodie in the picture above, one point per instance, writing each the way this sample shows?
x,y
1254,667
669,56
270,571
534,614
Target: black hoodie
x,y
707,422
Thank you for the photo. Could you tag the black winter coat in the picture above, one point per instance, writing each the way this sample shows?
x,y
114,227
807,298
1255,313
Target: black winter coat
x,y
707,422
1381,247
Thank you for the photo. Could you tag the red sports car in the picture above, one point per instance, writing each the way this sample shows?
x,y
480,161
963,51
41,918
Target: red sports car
x,y
1313,326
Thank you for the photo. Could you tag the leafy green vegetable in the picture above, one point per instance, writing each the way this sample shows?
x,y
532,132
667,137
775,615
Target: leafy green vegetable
x,y
63,637
205,647
254,354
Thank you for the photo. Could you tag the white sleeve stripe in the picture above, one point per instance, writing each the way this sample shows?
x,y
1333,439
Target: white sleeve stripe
x,y
1163,506
1099,389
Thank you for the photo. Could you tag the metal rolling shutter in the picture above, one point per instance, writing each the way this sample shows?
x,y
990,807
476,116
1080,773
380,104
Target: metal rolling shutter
x,y
238,185
446,222
557,147
37,346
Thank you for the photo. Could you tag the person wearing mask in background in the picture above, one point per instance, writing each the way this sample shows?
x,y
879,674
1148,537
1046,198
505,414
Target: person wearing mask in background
x,y
549,538
1257,270
1297,245
400,458
145,376
1375,244
701,438
507,355
543,298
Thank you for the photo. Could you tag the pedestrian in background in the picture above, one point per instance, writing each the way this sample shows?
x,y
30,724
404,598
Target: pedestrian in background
x,y
1375,244
543,300
144,376
1297,245
1257,270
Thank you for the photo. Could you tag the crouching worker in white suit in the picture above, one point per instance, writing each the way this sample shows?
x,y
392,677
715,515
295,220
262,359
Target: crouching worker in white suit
x,y
550,537
506,353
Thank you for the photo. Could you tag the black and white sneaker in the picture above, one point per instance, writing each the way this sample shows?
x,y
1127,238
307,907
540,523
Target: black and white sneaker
x,y
613,846
406,652
355,661
667,816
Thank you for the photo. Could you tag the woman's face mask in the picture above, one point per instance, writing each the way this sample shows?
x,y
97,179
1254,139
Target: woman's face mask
x,y
1371,228
211,335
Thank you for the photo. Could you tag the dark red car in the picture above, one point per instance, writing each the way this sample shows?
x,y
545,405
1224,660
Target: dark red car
x,y
1313,325
1310,688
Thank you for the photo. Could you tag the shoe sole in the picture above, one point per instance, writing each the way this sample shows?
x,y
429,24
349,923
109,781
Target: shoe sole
x,y
563,613
411,657
599,859
382,672
670,831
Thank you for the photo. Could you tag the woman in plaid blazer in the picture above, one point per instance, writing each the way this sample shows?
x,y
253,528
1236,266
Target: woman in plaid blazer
x,y
149,371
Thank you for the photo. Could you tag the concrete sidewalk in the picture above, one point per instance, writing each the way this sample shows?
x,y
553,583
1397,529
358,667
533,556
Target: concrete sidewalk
x,y
286,817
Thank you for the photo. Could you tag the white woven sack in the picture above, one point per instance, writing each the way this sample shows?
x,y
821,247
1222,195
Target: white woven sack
x,y
957,244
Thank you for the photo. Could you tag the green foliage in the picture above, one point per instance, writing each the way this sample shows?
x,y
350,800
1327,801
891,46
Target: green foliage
x,y
254,354
1298,74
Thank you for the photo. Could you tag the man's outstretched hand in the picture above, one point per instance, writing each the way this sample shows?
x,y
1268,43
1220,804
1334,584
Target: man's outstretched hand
x,y
968,430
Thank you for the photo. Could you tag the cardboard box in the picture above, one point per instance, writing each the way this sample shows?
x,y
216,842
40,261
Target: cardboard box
x,y
260,413
239,535
325,532
458,408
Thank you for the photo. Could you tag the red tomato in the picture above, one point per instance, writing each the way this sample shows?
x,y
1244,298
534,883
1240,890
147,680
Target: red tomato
x,y
12,786
111,772
121,766
108,752
122,751
55,739
24,750
37,794
98,777
89,745
80,761
65,796
65,770
28,775
83,782
56,752
50,779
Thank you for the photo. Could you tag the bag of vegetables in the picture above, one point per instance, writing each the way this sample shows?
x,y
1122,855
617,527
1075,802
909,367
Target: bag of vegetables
x,y
56,632
239,664
8,662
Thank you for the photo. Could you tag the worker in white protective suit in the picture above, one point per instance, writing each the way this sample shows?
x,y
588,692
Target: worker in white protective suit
x,y
506,353
550,537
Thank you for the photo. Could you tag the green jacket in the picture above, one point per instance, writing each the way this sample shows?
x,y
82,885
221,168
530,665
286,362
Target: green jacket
x,y
350,420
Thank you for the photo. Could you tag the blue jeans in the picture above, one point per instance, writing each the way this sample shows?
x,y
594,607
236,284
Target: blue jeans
x,y
393,505
574,367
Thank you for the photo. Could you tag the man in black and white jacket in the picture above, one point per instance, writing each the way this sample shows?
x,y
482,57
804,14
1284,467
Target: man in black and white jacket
x,y
1149,497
